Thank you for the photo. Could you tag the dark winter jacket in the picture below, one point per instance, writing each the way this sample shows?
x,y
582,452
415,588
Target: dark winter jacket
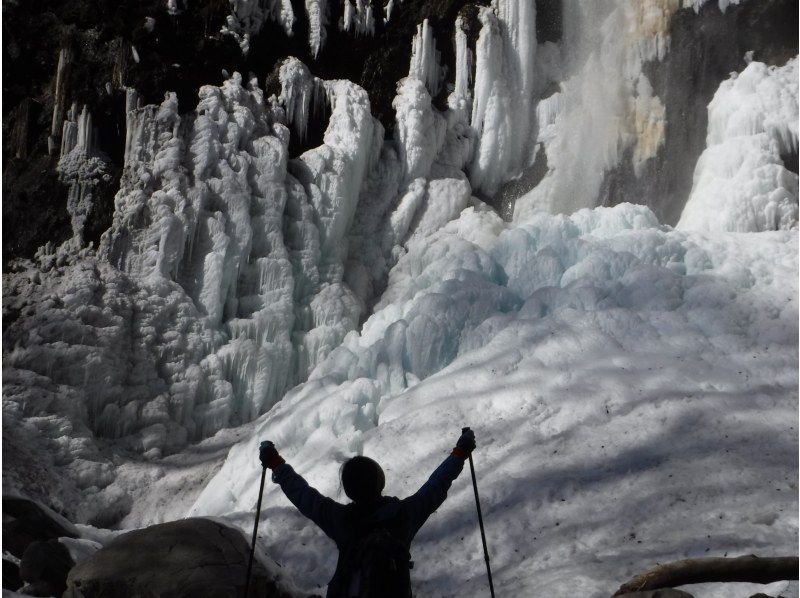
x,y
403,518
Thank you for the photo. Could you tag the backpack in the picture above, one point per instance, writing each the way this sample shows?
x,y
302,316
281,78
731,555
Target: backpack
x,y
377,565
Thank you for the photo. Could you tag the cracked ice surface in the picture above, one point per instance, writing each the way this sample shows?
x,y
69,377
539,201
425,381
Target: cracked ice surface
x,y
602,360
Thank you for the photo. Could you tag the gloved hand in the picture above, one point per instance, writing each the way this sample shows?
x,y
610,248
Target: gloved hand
x,y
465,444
269,456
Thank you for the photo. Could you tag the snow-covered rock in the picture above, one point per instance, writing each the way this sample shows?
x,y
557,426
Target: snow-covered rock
x,y
741,183
191,557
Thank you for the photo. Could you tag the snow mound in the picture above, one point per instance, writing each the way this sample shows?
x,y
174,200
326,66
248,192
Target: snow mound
x,y
602,360
740,182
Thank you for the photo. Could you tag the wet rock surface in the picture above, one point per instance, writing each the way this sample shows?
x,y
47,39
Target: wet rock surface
x,y
191,557
686,84
44,568
26,521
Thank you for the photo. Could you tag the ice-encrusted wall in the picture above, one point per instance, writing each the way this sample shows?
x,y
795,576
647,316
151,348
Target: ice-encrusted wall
x,y
231,273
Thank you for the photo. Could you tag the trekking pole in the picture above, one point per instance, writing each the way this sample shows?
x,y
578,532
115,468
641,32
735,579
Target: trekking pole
x,y
480,519
255,529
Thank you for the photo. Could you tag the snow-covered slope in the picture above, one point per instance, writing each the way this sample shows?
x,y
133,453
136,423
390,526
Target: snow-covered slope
x,y
633,392
741,182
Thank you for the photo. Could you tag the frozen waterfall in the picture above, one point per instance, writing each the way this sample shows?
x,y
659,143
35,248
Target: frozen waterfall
x,y
336,299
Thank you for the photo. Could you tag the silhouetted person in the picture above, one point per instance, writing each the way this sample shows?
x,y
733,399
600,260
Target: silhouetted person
x,y
374,532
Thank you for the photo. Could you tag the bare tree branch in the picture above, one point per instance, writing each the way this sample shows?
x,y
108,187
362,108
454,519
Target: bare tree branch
x,y
749,568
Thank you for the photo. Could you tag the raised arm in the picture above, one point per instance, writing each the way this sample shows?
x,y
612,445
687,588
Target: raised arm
x,y
431,495
325,512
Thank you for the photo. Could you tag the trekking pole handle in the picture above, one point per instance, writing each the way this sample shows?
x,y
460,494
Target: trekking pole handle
x,y
465,430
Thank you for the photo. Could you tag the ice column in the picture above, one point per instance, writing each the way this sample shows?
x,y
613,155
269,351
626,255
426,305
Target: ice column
x,y
301,93
59,97
317,11
332,176
358,18
80,166
460,99
504,83
248,16
425,59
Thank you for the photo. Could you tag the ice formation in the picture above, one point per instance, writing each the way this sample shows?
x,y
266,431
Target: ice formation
x,y
460,100
59,98
248,16
317,11
425,59
358,18
302,94
741,183
81,166
360,299
603,96
232,270
584,349
504,84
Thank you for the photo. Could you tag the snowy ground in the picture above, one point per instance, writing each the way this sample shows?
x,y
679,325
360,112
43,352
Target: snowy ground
x,y
634,395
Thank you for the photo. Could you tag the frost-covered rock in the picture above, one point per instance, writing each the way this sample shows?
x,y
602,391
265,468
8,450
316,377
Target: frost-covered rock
x,y
741,183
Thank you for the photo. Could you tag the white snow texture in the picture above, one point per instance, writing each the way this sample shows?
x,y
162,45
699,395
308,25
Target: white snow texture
x,y
633,387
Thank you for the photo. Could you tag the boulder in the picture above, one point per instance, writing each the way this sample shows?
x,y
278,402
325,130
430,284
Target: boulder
x,y
44,568
11,578
194,558
26,521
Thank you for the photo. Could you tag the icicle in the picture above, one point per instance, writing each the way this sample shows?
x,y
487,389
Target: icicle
x,y
60,98
461,98
359,18
301,94
425,59
317,11
504,83
248,17
346,23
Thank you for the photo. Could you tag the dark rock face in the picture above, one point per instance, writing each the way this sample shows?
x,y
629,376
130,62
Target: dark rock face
x,y
705,49
44,568
549,21
26,521
11,578
197,558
